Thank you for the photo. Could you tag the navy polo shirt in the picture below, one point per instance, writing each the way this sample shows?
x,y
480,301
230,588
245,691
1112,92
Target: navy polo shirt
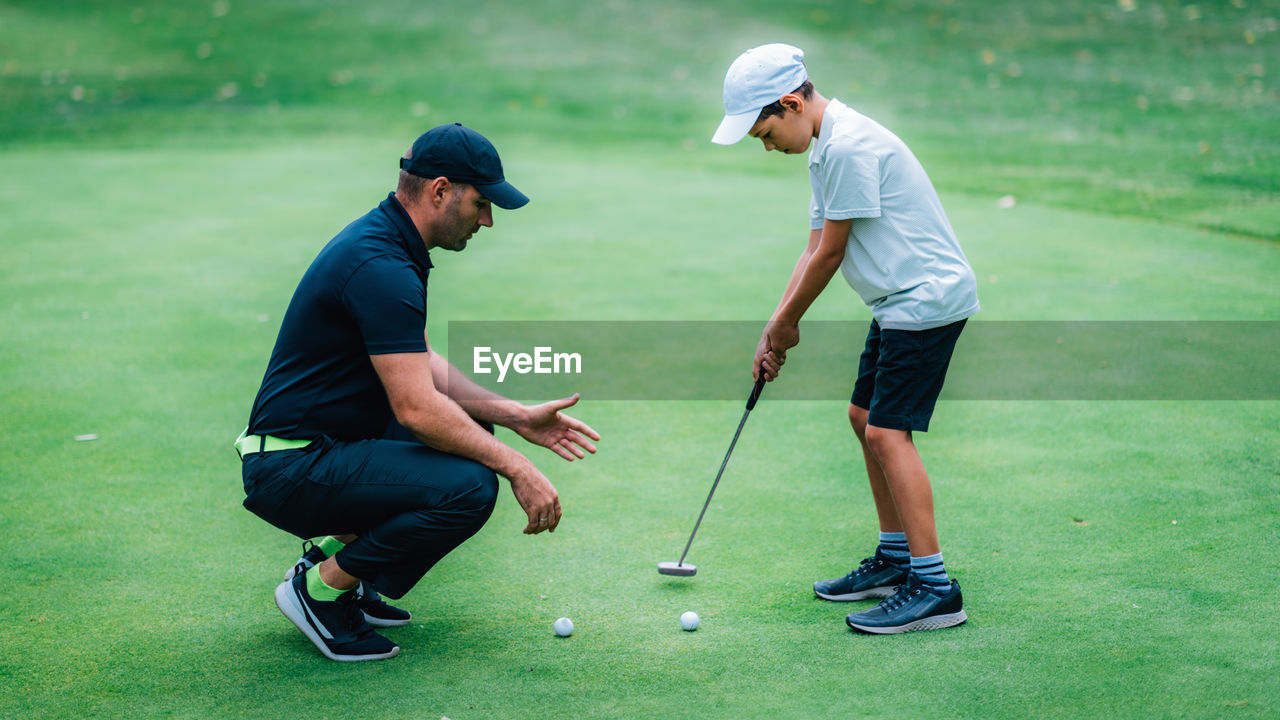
x,y
365,294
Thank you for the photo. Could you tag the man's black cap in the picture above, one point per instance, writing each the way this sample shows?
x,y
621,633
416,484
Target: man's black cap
x,y
463,155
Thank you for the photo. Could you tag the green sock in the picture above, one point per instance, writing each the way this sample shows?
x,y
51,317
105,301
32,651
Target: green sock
x,y
330,546
317,588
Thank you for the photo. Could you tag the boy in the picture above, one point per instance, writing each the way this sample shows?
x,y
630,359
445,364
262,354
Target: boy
x,y
875,216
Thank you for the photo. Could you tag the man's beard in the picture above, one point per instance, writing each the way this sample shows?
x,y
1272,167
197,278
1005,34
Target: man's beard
x,y
452,229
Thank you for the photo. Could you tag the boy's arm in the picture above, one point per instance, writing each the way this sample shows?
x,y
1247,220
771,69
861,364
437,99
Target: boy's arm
x,y
773,362
812,273
814,237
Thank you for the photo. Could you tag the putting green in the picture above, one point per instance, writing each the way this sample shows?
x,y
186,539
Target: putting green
x,y
141,295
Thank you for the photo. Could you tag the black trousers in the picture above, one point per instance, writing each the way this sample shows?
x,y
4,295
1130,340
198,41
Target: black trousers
x,y
410,505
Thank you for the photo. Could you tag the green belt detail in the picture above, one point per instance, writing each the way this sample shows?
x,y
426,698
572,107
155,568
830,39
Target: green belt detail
x,y
248,444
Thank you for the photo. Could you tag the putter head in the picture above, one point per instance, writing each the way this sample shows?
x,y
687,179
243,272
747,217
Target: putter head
x,y
675,568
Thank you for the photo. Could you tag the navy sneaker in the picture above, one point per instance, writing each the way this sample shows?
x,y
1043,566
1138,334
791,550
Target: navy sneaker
x,y
915,606
337,628
875,577
311,555
376,611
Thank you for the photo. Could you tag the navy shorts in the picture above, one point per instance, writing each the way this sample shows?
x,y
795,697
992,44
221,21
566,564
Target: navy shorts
x,y
901,372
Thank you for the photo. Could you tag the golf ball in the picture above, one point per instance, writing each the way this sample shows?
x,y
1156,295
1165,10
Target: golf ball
x,y
689,621
563,627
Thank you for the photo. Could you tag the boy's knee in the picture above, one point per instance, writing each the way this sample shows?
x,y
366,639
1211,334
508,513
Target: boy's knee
x,y
882,441
858,419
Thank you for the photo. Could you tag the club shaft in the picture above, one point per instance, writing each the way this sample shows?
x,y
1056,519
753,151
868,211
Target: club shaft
x,y
707,504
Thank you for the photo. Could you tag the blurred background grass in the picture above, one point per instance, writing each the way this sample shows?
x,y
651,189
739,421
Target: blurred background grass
x,y
1156,108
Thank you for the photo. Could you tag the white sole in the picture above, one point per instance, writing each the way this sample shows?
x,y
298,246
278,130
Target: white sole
x,y
879,593
289,606
381,623
937,622
376,622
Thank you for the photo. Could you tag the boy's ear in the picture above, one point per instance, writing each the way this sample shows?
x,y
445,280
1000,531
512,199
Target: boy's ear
x,y
792,102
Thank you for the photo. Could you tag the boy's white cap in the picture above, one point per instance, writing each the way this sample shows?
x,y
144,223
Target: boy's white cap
x,y
757,78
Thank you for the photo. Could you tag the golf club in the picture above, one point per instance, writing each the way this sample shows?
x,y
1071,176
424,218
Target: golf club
x,y
680,568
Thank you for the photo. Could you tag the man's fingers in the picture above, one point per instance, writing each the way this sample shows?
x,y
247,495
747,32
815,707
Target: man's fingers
x,y
582,442
578,425
558,513
563,403
568,445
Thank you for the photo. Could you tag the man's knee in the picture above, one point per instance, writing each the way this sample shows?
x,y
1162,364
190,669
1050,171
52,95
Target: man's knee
x,y
480,489
487,484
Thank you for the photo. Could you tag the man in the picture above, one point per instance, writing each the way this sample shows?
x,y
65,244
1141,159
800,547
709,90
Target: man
x,y
361,432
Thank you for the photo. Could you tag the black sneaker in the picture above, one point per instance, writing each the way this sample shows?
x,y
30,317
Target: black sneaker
x,y
311,555
915,606
875,577
337,628
376,611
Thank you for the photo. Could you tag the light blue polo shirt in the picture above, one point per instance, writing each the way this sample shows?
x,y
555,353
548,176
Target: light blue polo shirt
x,y
902,257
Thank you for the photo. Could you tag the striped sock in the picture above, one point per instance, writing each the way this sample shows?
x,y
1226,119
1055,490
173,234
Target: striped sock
x,y
893,546
931,571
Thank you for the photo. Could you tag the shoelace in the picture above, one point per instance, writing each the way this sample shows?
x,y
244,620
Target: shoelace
x,y
901,595
867,565
354,616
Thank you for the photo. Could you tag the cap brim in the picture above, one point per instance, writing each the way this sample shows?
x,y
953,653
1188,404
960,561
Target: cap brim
x,y
735,127
504,195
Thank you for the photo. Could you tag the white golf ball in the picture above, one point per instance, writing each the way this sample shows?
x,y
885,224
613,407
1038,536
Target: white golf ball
x,y
689,621
563,627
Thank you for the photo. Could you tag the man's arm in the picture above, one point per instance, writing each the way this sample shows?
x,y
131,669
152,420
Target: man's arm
x,y
442,424
817,264
542,424
478,402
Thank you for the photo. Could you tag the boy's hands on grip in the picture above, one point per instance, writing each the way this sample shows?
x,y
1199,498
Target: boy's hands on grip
x,y
771,352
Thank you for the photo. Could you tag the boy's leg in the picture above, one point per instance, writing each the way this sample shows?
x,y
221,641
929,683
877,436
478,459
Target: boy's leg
x,y
905,479
910,369
886,510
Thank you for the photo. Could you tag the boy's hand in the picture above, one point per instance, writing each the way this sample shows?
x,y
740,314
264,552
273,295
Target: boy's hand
x,y
771,352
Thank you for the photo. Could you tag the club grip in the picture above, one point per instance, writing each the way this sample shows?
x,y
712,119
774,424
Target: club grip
x,y
755,391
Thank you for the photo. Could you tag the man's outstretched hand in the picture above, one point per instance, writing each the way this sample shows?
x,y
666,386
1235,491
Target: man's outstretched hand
x,y
564,435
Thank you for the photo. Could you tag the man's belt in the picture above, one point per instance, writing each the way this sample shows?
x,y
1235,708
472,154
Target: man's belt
x,y
248,444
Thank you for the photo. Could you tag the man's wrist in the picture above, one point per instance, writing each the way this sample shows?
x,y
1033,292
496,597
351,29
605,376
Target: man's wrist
x,y
512,415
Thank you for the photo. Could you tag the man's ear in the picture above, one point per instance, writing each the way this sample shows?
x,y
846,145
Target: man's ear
x,y
438,189
792,102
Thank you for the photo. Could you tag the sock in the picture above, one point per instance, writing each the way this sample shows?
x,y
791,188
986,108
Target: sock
x,y
931,571
893,546
329,546
317,588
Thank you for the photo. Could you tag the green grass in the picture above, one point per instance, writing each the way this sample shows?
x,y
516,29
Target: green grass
x,y
151,246
1169,110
